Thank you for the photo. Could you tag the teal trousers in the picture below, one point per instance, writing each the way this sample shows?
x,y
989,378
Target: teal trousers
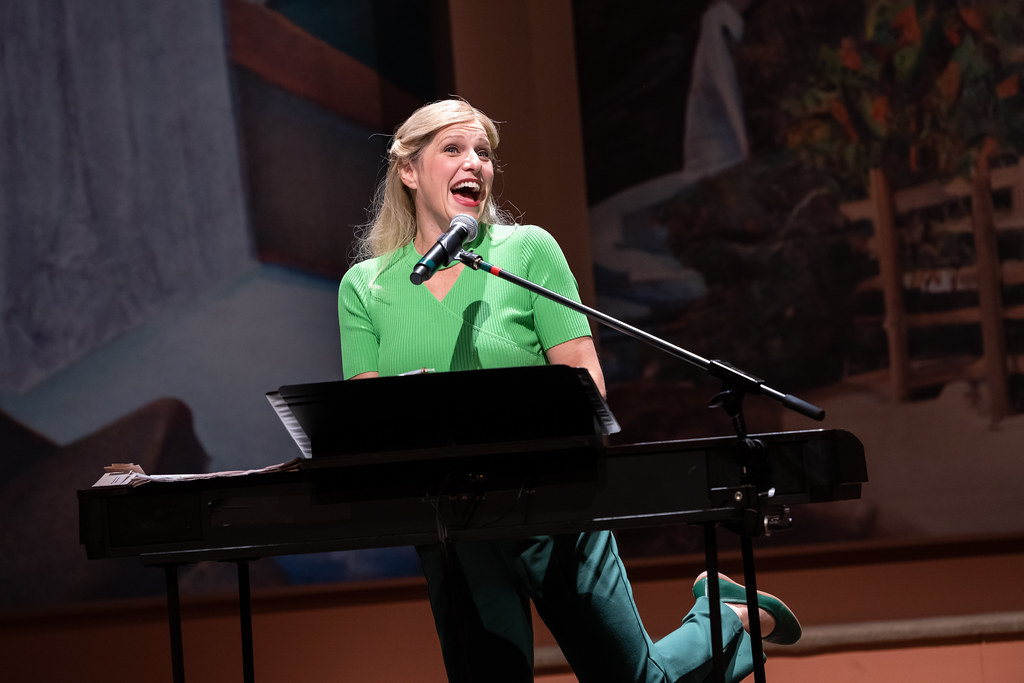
x,y
480,594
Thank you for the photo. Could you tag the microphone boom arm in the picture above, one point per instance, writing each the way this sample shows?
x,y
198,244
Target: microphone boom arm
x,y
731,377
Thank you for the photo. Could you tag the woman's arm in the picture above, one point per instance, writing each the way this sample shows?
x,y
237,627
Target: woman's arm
x,y
366,375
579,353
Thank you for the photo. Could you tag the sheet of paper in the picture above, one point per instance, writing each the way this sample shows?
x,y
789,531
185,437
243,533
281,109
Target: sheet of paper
x,y
130,474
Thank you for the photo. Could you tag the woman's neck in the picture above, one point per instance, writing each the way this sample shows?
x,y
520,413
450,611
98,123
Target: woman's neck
x,y
427,235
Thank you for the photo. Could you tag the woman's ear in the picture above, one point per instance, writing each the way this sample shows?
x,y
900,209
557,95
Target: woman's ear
x,y
407,172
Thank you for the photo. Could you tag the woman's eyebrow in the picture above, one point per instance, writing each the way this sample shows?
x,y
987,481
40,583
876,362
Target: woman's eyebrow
x,y
461,137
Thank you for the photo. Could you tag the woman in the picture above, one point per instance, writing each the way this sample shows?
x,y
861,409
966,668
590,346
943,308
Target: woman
x,y
441,164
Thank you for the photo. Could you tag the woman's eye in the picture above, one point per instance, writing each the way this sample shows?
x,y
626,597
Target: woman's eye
x,y
451,149
484,153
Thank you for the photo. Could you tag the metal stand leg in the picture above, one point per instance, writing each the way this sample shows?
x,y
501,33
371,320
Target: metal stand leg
x,y
174,621
748,452
715,603
753,613
245,616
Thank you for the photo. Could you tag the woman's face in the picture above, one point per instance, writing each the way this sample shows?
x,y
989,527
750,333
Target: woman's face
x,y
452,175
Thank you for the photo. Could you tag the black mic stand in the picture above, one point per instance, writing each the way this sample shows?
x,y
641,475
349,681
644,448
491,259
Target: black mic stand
x,y
755,475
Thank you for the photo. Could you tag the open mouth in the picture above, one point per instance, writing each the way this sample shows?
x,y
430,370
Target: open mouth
x,y
467,192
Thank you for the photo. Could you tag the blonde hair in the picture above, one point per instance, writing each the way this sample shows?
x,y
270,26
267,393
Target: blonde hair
x,y
392,222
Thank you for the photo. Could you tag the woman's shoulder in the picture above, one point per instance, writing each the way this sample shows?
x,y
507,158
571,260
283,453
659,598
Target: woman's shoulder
x,y
511,229
361,270
370,270
520,234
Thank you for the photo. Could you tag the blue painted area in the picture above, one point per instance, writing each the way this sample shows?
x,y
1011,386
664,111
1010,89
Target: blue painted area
x,y
350,565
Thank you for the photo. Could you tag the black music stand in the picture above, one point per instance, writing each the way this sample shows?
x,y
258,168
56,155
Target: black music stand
x,y
549,405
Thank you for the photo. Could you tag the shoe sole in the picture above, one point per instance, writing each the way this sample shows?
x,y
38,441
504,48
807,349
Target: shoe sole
x,y
787,627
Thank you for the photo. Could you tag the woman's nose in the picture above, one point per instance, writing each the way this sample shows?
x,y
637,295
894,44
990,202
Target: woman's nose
x,y
472,160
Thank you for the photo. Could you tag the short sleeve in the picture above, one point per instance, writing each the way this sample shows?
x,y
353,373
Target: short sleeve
x,y
546,266
359,340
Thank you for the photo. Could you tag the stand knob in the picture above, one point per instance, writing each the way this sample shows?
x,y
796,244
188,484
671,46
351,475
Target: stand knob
x,y
777,521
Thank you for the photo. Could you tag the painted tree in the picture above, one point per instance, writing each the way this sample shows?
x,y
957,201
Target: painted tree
x,y
929,91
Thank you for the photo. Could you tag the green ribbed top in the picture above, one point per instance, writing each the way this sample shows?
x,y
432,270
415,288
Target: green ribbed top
x,y
392,326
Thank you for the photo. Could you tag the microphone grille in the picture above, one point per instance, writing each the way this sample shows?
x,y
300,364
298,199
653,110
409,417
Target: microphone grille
x,y
469,223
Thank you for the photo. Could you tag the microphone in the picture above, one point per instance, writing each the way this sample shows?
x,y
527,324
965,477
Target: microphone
x,y
463,228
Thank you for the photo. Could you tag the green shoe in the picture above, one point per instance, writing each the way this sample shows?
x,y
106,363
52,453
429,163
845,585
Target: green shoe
x,y
787,629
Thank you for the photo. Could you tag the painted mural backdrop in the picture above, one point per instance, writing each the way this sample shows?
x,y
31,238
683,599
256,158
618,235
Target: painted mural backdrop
x,y
177,209
825,195
842,217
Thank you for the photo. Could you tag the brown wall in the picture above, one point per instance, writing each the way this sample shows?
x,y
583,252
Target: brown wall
x,y
383,631
516,61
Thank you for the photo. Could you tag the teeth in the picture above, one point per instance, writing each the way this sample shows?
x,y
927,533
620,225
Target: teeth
x,y
468,184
